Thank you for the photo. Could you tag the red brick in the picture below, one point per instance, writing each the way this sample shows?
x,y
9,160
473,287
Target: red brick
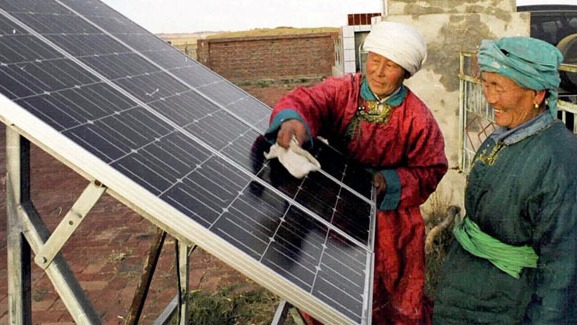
x,y
270,57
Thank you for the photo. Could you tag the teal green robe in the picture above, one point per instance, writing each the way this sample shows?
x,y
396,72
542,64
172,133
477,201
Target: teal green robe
x,y
524,194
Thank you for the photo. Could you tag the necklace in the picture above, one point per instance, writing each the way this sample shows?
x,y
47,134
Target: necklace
x,y
370,111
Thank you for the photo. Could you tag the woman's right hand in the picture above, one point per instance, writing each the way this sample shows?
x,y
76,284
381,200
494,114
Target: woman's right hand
x,y
289,128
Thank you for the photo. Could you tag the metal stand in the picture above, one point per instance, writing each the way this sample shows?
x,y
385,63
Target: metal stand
x,y
28,233
180,302
17,191
282,312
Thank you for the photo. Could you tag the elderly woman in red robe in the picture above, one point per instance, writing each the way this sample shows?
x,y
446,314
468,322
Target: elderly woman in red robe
x,y
378,121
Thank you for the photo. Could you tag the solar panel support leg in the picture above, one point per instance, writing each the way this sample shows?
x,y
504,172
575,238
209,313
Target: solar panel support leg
x,y
281,313
68,225
27,232
183,269
176,301
17,186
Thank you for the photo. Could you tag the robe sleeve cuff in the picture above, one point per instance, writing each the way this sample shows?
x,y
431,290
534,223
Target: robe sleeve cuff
x,y
393,192
287,114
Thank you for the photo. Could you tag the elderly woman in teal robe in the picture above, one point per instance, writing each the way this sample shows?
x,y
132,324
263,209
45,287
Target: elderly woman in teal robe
x,y
514,260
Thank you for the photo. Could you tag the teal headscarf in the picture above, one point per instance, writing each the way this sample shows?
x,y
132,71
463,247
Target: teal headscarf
x,y
530,62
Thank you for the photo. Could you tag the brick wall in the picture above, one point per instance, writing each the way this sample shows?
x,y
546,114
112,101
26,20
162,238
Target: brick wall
x,y
270,57
361,19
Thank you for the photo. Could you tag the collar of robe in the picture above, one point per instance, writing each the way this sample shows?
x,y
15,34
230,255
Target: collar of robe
x,y
394,100
527,129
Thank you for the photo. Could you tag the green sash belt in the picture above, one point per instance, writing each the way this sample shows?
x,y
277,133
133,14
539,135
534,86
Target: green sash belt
x,y
508,258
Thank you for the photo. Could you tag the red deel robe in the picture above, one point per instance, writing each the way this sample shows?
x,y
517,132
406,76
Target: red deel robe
x,y
409,151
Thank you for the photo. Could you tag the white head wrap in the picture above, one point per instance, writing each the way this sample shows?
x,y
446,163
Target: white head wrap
x,y
397,42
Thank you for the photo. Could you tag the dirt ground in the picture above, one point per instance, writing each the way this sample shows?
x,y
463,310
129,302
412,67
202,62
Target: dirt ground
x,y
108,250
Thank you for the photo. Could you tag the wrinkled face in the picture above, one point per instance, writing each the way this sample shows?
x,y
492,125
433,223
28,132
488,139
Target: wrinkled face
x,y
512,104
383,75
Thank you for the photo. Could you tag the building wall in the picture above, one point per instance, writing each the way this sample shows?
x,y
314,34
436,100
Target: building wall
x,y
451,27
361,19
352,38
499,8
296,56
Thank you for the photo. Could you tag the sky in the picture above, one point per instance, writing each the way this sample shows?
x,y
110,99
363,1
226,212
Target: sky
x,y
186,16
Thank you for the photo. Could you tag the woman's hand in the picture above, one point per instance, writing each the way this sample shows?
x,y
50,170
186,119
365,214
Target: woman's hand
x,y
380,184
288,129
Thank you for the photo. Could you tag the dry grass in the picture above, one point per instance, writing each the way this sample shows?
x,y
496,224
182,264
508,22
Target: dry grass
x,y
230,306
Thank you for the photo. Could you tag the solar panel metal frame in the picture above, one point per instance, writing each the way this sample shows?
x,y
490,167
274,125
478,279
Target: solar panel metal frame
x,y
156,210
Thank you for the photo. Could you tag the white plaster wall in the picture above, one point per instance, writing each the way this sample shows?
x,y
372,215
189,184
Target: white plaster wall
x,y
460,27
420,7
349,36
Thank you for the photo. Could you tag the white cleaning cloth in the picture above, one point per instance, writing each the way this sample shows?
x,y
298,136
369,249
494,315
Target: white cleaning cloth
x,y
295,159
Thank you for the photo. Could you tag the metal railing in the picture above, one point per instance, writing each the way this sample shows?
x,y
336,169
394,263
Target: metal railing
x,y
476,121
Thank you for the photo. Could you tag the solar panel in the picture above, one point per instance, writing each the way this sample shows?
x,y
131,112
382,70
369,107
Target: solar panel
x,y
184,147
